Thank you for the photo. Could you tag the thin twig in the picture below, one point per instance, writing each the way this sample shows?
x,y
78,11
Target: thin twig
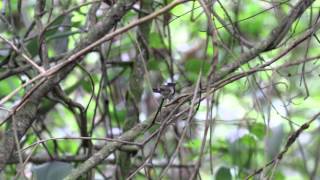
x,y
40,69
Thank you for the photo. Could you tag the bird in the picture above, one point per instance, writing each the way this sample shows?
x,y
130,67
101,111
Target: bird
x,y
167,91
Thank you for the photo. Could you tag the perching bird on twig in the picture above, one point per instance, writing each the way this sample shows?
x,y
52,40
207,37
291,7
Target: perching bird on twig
x,y
167,91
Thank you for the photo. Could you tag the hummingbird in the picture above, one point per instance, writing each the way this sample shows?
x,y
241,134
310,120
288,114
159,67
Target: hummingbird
x,y
167,91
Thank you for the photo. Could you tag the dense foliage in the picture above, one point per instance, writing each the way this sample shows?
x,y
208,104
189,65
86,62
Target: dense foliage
x,y
166,89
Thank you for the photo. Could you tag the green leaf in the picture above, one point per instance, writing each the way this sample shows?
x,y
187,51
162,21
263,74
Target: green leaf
x,y
155,40
194,144
87,86
195,65
117,114
258,129
239,151
9,85
248,140
278,176
223,174
220,145
156,64
87,83
33,47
